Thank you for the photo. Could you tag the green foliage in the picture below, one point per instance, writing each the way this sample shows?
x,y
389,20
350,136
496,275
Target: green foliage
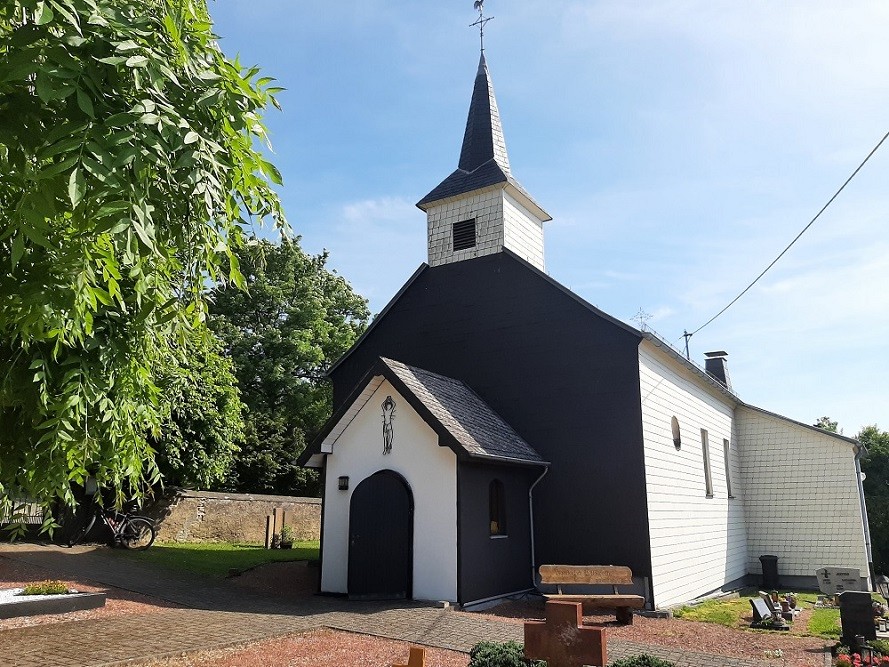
x,y
198,440
294,320
826,424
500,654
128,172
825,623
642,660
723,612
217,559
881,645
876,492
49,587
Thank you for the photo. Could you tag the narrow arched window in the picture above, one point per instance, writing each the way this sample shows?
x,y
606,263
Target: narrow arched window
x,y
497,508
677,439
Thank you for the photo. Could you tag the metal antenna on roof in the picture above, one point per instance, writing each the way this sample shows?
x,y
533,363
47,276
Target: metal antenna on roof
x,y
482,19
642,318
686,336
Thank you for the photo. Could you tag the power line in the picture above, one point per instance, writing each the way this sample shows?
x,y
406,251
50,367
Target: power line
x,y
687,335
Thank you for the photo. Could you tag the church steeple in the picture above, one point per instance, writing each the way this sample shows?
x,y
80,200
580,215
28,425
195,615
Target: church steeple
x,y
483,139
480,208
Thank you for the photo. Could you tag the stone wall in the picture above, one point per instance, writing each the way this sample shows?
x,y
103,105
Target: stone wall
x,y
206,516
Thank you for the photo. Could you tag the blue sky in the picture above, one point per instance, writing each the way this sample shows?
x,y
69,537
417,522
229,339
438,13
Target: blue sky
x,y
678,144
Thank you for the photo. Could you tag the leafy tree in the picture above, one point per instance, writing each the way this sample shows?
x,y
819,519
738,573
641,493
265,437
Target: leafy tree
x,y
295,319
876,492
197,444
826,424
128,172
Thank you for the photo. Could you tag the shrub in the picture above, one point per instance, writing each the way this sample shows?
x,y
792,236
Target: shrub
x,y
642,660
495,654
46,588
882,645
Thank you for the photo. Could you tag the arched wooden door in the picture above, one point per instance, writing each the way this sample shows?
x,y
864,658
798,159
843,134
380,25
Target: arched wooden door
x,y
381,538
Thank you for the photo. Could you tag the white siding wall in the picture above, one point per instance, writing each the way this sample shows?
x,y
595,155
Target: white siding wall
x,y
431,472
800,496
500,221
697,543
486,206
523,232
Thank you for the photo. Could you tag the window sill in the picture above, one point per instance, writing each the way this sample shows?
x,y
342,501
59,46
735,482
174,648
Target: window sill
x,y
499,537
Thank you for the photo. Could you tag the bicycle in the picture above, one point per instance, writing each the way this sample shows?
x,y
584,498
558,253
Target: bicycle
x,y
130,531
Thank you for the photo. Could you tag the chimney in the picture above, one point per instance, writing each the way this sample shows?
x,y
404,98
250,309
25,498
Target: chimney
x,y
716,365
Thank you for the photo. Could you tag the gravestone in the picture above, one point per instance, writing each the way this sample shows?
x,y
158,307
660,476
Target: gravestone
x,y
562,640
857,616
760,610
834,580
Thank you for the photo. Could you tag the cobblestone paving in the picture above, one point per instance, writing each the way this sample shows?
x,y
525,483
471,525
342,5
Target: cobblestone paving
x,y
219,616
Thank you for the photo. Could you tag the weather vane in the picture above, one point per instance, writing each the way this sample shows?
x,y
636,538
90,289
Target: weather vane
x,y
482,19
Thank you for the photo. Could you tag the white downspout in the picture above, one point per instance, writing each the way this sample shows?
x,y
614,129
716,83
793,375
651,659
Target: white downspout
x,y
859,452
531,515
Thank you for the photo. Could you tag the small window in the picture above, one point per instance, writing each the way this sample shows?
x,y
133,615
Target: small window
x,y
677,440
705,448
464,234
497,508
727,450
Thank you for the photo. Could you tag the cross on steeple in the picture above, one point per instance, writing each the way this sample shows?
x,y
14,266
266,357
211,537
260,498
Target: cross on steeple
x,y
482,19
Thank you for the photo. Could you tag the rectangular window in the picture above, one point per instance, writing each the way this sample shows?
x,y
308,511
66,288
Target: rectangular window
x,y
497,508
464,234
705,448
726,452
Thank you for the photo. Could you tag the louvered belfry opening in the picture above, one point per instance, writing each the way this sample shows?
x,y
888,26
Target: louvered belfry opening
x,y
464,234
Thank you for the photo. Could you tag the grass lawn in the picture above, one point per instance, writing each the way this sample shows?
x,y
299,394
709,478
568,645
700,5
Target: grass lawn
x,y
217,558
732,612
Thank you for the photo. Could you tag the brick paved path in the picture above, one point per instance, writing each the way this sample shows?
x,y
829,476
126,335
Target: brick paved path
x,y
220,615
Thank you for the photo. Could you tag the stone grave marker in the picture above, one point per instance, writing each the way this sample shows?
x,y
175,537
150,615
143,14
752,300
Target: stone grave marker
x,y
761,610
417,658
857,616
562,640
834,580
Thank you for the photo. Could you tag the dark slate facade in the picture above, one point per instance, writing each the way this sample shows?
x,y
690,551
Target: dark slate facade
x,y
561,373
491,566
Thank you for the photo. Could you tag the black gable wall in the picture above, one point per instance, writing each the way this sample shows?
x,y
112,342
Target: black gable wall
x,y
566,378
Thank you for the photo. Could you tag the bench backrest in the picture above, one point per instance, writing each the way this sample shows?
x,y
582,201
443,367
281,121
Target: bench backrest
x,y
585,574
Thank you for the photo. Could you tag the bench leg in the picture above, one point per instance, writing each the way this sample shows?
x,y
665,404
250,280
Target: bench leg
x,y
624,615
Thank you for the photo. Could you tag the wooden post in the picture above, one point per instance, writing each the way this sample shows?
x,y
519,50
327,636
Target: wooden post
x,y
269,531
279,519
417,658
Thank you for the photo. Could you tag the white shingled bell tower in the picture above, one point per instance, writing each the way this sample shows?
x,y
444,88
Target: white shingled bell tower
x,y
480,209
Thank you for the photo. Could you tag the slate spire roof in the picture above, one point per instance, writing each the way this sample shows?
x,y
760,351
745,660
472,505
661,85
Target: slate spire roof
x,y
483,158
483,138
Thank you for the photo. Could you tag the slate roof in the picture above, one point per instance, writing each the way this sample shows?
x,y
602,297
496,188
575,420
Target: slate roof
x,y
483,157
461,418
478,430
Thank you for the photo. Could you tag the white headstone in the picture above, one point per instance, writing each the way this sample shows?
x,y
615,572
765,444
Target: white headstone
x,y
833,580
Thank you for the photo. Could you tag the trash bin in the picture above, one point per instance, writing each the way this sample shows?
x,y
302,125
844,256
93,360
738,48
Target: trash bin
x,y
769,572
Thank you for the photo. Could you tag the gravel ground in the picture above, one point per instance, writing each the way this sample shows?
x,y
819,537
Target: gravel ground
x,y
14,574
320,648
326,648
689,635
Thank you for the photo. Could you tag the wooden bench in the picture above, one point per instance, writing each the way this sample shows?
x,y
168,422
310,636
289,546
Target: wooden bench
x,y
589,575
